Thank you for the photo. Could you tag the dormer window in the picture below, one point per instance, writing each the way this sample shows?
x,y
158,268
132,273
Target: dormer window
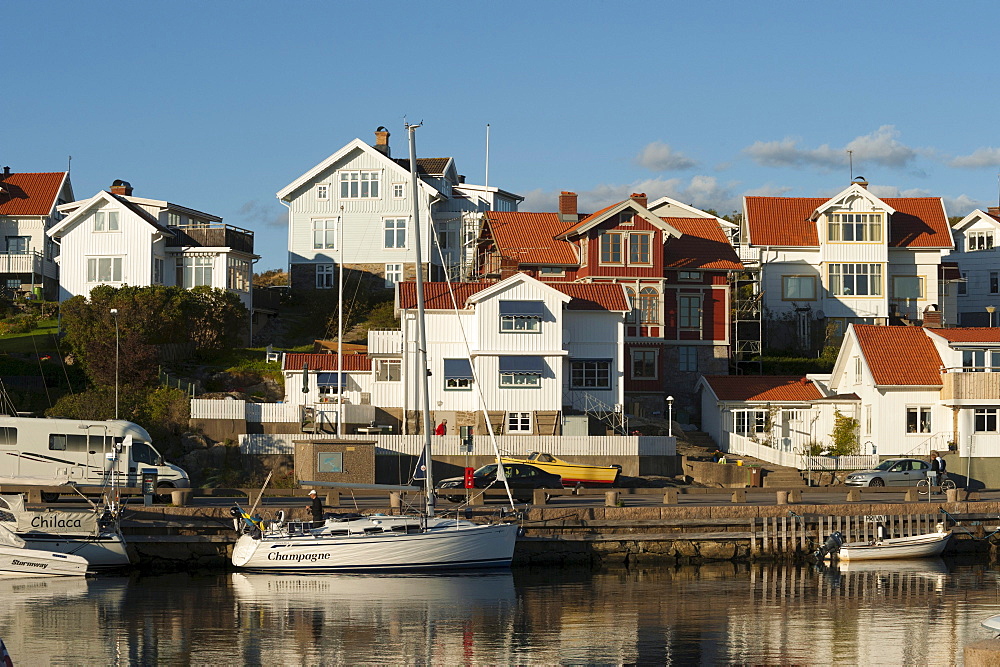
x,y
856,227
626,218
979,241
106,221
521,316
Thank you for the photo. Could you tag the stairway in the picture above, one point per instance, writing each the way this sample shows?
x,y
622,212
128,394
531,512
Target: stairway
x,y
781,477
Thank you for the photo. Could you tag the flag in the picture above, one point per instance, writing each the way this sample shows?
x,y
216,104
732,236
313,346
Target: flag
x,y
420,471
5,660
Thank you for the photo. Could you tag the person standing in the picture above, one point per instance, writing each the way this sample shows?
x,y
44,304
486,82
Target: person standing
x,y
942,468
933,478
442,428
316,507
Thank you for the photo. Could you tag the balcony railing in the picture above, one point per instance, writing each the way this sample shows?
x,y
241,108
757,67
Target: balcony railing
x,y
971,382
385,342
28,262
214,235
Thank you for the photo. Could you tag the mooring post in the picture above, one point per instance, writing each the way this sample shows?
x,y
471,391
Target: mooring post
x,y
538,497
611,499
670,497
781,497
739,496
911,496
853,496
333,498
395,500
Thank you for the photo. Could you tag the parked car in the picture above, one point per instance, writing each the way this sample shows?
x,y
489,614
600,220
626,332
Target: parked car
x,y
891,472
523,479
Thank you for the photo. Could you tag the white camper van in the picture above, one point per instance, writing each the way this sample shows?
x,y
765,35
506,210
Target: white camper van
x,y
61,451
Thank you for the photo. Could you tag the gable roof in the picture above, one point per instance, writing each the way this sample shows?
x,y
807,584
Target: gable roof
x,y
969,334
702,245
530,238
583,296
30,193
899,355
918,222
426,166
975,216
294,361
81,212
762,388
605,213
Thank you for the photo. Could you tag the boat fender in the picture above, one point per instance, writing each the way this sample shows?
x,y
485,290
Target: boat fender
x,y
279,518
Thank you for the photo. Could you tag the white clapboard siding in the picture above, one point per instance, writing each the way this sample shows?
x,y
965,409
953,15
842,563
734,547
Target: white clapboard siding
x,y
450,445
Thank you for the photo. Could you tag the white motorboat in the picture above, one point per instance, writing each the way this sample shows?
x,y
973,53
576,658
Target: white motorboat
x,y
93,534
17,560
927,545
380,542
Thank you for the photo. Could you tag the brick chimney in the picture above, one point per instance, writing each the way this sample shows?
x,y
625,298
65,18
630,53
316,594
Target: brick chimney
x,y
567,207
6,173
382,141
860,180
639,198
120,187
992,210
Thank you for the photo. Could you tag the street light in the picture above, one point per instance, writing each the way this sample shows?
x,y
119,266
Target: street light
x,y
991,310
670,416
114,313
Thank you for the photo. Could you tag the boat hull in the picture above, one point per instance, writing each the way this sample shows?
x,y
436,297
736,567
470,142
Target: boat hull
x,y
23,562
573,473
105,552
445,546
917,546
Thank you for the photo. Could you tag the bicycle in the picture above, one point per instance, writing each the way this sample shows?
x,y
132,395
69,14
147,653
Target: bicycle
x,y
946,484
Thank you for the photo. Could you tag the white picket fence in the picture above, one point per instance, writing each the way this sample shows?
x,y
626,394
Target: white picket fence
x,y
277,412
743,446
450,445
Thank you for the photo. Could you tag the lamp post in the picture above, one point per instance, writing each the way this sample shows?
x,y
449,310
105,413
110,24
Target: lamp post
x,y
991,310
114,313
670,416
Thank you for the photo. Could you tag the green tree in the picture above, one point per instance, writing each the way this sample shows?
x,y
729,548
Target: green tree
x,y
215,318
844,438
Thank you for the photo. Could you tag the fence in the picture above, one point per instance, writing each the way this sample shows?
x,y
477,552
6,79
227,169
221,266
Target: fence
x,y
450,445
168,381
734,443
277,412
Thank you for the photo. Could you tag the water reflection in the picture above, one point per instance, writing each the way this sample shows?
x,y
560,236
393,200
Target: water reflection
x,y
859,613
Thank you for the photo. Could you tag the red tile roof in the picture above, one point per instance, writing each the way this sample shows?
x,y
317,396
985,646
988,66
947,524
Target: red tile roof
x,y
326,362
703,245
583,221
529,238
30,194
919,222
899,355
585,296
762,388
970,334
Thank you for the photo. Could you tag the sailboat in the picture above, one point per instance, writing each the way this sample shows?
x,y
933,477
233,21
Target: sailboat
x,y
379,542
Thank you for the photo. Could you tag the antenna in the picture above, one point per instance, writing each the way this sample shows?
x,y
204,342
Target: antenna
x,y
69,164
850,159
487,183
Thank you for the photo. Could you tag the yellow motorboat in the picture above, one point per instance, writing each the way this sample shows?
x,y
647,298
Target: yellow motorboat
x,y
572,473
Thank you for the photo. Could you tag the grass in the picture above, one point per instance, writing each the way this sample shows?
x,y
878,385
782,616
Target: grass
x,y
41,339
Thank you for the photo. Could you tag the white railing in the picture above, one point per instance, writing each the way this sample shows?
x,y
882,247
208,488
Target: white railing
x,y
385,342
938,442
733,443
202,408
273,412
450,445
748,253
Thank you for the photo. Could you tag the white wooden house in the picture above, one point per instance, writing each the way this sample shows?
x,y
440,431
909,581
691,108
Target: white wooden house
x,y
977,256
117,239
28,208
355,207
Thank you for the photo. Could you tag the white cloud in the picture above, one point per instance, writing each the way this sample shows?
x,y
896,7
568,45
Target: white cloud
x,y
659,156
263,213
700,191
981,157
768,190
881,147
963,205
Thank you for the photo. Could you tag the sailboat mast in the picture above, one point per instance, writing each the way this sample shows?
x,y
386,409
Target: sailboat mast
x,y
423,388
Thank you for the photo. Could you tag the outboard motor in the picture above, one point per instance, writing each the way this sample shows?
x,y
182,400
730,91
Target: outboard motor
x,y
831,546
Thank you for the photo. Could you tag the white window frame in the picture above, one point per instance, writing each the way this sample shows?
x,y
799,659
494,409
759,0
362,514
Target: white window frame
x,y
557,271
107,221
687,358
986,420
393,274
866,225
689,312
793,294
360,184
159,268
644,353
388,370
520,381
322,191
96,266
896,289
324,233
173,219
398,190
749,422
994,282
921,422
838,277
325,276
518,422
395,233
644,240
195,270
238,274
520,324
979,240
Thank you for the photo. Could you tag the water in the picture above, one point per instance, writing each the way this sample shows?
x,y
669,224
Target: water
x,y
892,613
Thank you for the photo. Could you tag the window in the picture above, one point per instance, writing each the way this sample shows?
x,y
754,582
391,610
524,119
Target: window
x,y
908,287
388,370
648,305
238,274
590,374
520,380
359,184
551,271
986,420
750,422
398,190
457,375
13,283
521,372
979,241
105,221
324,232
104,269
798,288
393,274
994,282
323,191
866,227
521,316
689,315
631,316
868,420
978,361
626,218
395,232
687,356
918,420
611,248
856,279
963,285
18,245
324,276
689,275
194,271
519,422
158,271
857,370
644,365
173,219
638,248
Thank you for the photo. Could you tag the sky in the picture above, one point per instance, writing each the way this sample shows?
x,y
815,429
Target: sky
x,y
218,105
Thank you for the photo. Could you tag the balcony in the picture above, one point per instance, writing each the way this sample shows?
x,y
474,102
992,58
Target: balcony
x,y
29,262
385,342
215,235
748,254
973,384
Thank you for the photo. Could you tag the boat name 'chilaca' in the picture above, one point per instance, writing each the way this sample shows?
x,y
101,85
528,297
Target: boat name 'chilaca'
x,y
55,522
298,557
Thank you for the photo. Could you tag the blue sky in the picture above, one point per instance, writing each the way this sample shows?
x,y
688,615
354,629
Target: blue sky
x,y
218,105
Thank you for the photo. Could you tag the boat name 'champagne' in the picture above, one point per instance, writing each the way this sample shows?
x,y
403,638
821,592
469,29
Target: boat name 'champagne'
x,y
298,557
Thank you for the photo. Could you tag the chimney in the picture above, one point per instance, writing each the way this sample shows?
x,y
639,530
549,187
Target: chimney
x,y
382,141
993,210
860,180
6,173
120,187
639,198
567,207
